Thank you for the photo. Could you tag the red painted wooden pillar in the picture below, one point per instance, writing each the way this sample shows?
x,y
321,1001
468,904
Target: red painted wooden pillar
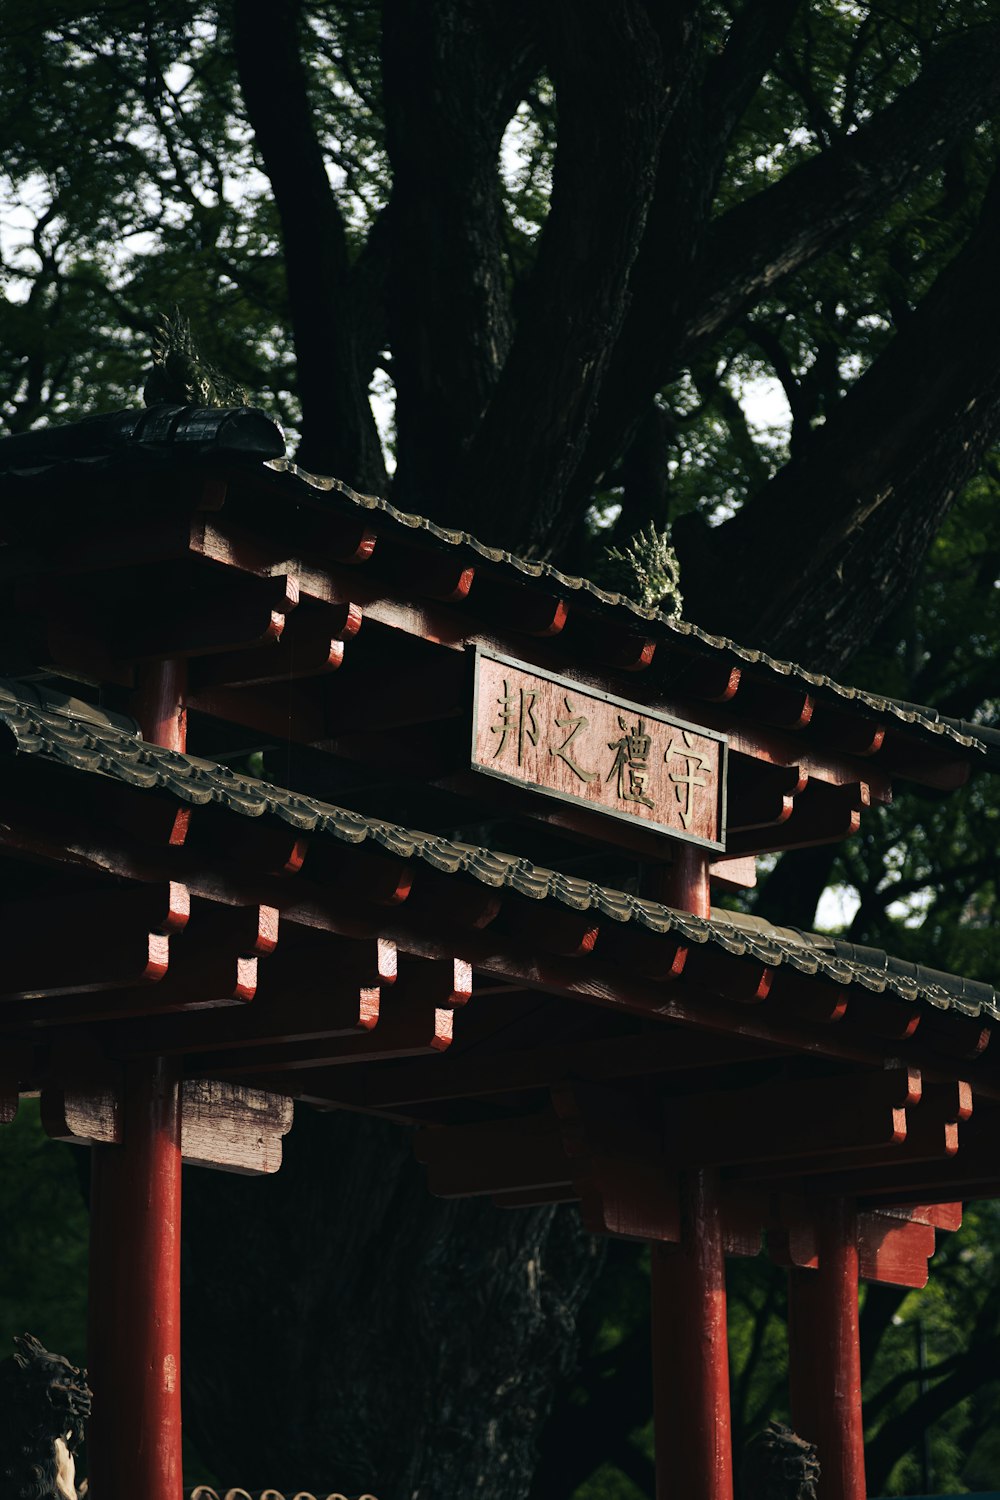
x,y
684,883
134,1436
694,1450
694,1457
158,703
824,1356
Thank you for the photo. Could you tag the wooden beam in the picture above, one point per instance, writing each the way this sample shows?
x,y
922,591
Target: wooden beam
x,y
715,679
567,933
734,874
407,1032
970,1173
497,1156
329,1009
630,1198
761,795
785,1121
294,712
429,572
233,1129
232,615
770,700
849,730
223,1125
511,606
932,1135
939,763
310,645
35,972
459,1077
822,814
224,981
743,979
893,1253
258,846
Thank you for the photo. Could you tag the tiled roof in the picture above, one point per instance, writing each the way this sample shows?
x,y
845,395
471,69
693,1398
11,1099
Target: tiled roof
x,y
170,434
970,736
145,436
96,745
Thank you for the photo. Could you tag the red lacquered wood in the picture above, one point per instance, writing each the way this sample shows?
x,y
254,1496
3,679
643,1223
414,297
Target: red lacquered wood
x,y
134,1437
690,1354
158,703
683,884
824,1360
134,1334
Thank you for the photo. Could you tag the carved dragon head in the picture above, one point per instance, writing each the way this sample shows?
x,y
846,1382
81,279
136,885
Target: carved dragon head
x,y
779,1465
44,1403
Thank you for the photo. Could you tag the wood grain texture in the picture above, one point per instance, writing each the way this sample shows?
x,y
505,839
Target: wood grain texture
x,y
223,1125
824,1354
612,757
233,1128
134,1337
691,1416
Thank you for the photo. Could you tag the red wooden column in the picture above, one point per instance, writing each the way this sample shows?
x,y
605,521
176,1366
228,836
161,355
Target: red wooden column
x,y
824,1356
134,1436
694,1452
694,1458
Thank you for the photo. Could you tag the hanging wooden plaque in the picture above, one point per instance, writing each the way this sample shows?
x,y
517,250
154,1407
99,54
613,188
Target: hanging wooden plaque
x,y
575,743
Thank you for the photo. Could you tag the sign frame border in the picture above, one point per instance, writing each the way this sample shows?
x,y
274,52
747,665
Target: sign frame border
x,y
554,793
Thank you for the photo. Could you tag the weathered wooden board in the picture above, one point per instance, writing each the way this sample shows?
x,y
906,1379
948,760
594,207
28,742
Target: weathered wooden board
x,y
233,1128
573,743
223,1125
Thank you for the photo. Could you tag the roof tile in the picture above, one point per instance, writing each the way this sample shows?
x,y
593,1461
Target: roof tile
x,y
102,748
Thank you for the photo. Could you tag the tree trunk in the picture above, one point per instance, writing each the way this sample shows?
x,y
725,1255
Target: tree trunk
x,y
345,1330
822,554
453,74
340,433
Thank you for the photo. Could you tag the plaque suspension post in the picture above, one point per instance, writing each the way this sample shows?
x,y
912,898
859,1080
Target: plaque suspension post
x,y
134,1437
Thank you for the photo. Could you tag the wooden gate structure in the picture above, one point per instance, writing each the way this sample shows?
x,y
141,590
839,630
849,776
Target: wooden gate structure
x,y
537,981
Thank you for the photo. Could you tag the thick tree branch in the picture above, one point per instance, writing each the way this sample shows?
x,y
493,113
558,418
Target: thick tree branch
x,y
800,398
819,556
614,86
776,232
369,291
734,76
339,433
875,903
899,1433
454,73
693,280
710,99
792,891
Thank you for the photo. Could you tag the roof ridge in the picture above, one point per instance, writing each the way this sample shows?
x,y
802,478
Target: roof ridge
x,y
249,435
926,719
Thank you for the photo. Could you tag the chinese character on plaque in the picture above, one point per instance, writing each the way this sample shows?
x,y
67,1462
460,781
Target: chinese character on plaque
x,y
573,742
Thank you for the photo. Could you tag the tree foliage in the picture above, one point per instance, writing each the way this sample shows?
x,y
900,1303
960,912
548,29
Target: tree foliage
x,y
43,1270
566,246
